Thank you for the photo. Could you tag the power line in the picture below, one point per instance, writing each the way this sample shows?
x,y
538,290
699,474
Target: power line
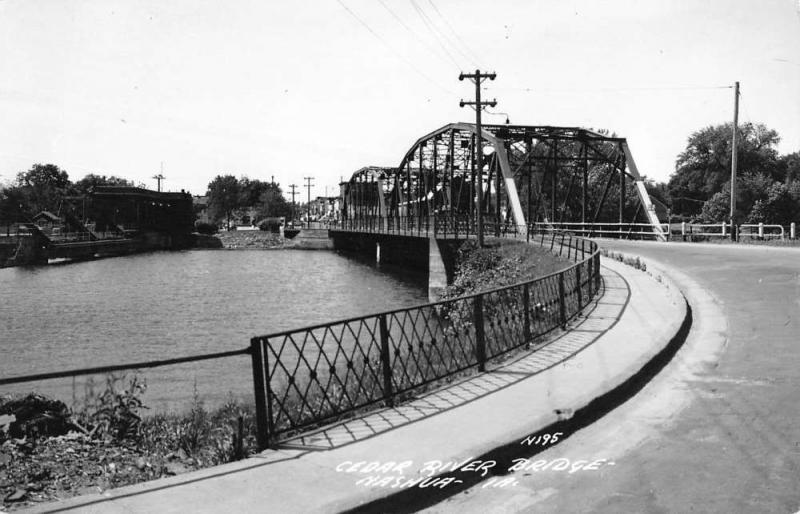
x,y
391,48
474,57
411,31
436,35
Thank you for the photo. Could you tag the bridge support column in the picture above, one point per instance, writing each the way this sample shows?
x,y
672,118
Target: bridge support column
x,y
437,272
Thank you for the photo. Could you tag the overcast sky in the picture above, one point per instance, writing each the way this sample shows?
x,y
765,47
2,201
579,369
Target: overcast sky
x,y
322,88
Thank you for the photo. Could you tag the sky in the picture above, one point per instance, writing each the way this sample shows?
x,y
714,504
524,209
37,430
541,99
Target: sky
x,y
287,90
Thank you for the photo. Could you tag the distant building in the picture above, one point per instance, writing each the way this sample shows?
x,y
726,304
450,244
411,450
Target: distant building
x,y
325,208
48,222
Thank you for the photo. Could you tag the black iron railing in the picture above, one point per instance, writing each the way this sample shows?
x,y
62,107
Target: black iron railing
x,y
318,374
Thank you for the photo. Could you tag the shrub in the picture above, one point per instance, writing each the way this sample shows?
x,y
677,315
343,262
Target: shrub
x,y
206,228
270,225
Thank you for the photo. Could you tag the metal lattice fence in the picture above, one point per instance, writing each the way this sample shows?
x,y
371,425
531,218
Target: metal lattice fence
x,y
319,374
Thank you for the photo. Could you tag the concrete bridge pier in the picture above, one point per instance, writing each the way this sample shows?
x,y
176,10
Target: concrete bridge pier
x,y
434,256
438,278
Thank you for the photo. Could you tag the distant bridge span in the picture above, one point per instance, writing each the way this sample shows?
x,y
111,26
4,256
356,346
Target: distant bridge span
x,y
532,176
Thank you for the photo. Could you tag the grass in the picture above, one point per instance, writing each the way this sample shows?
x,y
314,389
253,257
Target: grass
x,y
634,262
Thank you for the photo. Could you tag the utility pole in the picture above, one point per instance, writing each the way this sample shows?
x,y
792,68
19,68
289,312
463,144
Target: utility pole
x,y
308,206
478,78
160,177
294,187
734,152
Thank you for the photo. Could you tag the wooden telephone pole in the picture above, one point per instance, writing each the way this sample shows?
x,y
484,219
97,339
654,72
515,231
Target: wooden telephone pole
x,y
478,78
308,206
734,156
294,192
160,177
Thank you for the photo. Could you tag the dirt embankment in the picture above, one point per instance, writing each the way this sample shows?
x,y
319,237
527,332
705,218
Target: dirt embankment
x,y
251,240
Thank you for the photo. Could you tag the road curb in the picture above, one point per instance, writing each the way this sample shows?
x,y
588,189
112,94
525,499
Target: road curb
x,y
415,499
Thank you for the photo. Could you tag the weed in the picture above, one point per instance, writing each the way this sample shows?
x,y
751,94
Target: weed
x,y
114,413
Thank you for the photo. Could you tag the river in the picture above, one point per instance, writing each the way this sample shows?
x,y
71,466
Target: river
x,y
172,304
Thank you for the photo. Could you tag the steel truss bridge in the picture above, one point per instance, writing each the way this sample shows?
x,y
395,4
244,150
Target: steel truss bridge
x,y
534,178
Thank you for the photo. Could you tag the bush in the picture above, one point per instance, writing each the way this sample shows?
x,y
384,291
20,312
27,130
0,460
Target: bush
x,y
206,228
270,225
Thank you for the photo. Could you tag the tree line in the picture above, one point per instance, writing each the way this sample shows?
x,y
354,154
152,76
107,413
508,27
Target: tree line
x,y
230,197
767,183
43,188
767,186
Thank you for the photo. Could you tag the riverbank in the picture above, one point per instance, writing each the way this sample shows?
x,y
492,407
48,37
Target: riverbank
x,y
502,262
252,240
49,452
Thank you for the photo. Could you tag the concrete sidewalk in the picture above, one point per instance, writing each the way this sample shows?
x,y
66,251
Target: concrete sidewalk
x,y
634,320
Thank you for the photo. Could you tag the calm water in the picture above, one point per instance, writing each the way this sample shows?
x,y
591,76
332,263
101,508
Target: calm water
x,y
164,305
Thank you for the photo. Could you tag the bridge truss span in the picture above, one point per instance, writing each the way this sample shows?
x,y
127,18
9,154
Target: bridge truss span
x,y
532,176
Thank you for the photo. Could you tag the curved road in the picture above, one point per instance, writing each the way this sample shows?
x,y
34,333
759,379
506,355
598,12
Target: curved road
x,y
718,429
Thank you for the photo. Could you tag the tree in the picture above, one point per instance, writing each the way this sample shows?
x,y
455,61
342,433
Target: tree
x,y
705,166
790,165
91,180
44,185
223,198
750,189
13,205
272,203
251,191
778,207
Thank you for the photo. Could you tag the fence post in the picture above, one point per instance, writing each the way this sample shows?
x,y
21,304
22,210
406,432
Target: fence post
x,y
596,272
526,305
578,285
761,230
723,229
590,262
262,430
388,392
562,301
480,338
683,230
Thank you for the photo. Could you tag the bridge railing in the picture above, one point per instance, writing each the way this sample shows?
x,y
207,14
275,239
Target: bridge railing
x,y
448,225
761,231
315,375
611,230
723,230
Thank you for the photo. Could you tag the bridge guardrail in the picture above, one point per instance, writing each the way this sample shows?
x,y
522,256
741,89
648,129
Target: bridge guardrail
x,y
316,375
762,231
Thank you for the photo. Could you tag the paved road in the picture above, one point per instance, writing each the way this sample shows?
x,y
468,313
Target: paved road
x,y
718,430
